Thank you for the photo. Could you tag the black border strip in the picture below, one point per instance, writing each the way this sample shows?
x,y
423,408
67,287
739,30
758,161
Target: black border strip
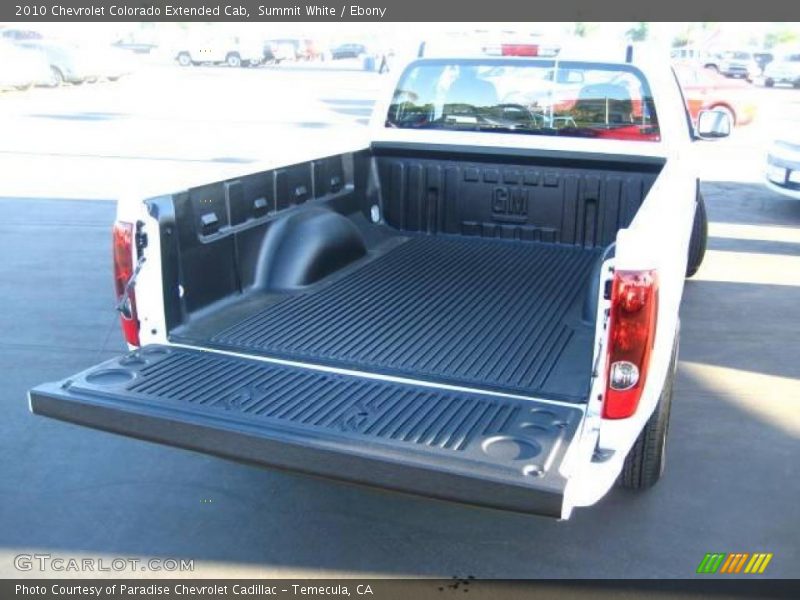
x,y
442,11
455,587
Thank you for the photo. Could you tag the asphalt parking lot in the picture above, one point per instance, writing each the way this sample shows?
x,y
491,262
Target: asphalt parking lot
x,y
732,473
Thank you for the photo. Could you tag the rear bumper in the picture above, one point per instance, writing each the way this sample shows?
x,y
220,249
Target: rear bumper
x,y
502,453
783,171
783,189
783,78
738,71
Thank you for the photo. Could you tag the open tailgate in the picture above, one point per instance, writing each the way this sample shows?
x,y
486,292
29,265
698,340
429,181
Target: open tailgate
x,y
479,449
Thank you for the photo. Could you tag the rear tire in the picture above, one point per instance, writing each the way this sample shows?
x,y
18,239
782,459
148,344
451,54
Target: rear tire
x,y
233,60
769,83
646,460
184,59
56,77
699,240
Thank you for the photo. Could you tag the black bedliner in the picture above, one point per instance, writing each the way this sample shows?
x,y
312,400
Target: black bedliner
x,y
482,313
455,265
475,448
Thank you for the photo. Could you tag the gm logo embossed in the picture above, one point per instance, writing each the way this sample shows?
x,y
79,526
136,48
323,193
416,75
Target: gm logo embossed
x,y
510,204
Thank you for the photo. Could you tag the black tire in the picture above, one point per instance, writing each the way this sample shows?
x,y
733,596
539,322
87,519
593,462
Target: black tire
x,y
56,77
646,460
184,59
233,60
769,83
699,240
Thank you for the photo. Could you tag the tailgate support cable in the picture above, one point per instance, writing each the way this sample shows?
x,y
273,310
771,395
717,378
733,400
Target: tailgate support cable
x,y
123,306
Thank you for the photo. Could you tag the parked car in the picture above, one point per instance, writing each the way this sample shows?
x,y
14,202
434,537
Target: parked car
x,y
220,51
784,70
476,305
281,50
734,63
68,62
292,49
136,46
110,61
15,35
308,50
705,89
22,68
782,173
348,51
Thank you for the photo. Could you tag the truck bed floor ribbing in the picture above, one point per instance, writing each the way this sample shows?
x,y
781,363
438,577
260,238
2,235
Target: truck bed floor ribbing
x,y
494,314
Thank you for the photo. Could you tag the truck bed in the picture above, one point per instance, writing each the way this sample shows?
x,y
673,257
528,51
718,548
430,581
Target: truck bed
x,y
376,277
486,313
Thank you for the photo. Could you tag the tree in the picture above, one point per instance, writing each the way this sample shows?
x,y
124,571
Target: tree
x,y
680,40
583,30
638,33
779,37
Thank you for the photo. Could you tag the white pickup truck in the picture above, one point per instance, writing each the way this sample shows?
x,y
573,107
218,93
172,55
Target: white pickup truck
x,y
233,52
480,306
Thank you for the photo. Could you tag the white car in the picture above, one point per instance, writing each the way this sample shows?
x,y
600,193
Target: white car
x,y
782,174
735,63
110,62
217,50
478,304
22,68
784,70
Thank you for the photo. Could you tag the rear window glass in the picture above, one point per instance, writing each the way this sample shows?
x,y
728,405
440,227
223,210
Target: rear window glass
x,y
537,98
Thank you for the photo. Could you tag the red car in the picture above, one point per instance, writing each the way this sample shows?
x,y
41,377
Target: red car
x,y
706,89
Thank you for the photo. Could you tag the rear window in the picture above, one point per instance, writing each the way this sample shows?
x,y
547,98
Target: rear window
x,y
526,97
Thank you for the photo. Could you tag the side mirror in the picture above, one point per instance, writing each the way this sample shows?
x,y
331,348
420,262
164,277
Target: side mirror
x,y
713,124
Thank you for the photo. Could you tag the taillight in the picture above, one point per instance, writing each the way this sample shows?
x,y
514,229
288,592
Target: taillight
x,y
519,50
634,305
123,271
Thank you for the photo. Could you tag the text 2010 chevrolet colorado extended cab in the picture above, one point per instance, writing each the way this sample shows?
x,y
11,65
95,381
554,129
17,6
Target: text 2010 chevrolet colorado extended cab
x,y
480,306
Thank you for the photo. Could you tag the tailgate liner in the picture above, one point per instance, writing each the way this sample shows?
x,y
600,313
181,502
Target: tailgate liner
x,y
474,448
494,314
